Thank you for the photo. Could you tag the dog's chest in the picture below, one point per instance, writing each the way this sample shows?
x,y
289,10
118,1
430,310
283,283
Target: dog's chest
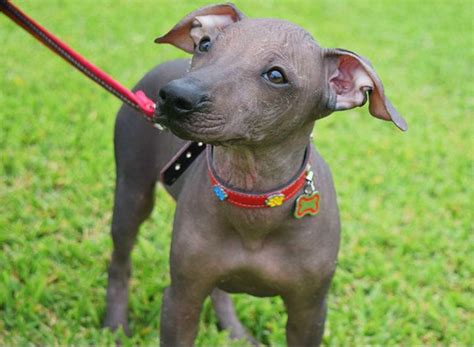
x,y
273,267
255,226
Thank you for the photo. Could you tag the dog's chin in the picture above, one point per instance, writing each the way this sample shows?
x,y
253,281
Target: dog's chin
x,y
187,128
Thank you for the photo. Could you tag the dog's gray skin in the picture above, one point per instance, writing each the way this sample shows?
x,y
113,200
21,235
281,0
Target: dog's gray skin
x,y
260,126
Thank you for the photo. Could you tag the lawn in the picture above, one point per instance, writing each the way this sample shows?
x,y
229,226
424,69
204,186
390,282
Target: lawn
x,y
405,273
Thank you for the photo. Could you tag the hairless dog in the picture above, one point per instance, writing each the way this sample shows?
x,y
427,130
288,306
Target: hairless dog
x,y
258,213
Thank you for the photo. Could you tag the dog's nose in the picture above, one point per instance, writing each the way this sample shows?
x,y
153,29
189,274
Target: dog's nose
x,y
181,96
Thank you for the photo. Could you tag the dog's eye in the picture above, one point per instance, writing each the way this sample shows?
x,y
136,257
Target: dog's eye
x,y
205,44
276,76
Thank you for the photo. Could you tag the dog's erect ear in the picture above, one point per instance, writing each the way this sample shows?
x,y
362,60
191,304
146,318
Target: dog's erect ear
x,y
350,79
207,21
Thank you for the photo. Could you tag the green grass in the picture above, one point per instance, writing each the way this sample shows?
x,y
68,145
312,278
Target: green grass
x,y
405,274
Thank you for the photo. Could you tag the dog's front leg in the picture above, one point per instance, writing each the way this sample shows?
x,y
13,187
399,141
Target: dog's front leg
x,y
180,311
306,317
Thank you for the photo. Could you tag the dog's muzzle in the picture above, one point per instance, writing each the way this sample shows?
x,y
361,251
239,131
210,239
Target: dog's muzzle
x,y
179,98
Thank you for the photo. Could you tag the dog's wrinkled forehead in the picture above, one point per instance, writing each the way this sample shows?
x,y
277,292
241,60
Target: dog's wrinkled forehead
x,y
260,41
268,34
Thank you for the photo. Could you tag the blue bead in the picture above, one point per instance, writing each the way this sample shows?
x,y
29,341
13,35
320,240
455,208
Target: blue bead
x,y
220,193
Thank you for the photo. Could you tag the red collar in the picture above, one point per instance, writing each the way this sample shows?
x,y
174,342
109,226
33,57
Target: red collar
x,y
270,199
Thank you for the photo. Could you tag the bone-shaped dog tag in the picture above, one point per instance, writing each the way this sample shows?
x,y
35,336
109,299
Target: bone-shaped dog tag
x,y
307,205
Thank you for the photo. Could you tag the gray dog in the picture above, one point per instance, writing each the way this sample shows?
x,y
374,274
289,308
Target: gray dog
x,y
258,213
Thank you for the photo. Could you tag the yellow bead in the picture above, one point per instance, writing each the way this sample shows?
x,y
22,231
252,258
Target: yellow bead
x,y
275,200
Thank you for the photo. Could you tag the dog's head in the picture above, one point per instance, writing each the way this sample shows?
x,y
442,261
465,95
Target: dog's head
x,y
259,80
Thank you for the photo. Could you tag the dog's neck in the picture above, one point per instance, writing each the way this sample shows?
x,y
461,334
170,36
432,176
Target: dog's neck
x,y
261,168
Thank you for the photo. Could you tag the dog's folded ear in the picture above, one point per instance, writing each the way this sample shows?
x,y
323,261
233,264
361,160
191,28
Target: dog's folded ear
x,y
207,21
350,78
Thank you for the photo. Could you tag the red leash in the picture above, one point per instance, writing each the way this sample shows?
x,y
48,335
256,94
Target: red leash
x,y
137,100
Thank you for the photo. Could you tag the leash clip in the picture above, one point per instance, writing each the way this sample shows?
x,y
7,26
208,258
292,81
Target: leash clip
x,y
146,105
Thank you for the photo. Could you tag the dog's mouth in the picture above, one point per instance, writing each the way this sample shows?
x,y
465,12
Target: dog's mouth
x,y
159,118
193,126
